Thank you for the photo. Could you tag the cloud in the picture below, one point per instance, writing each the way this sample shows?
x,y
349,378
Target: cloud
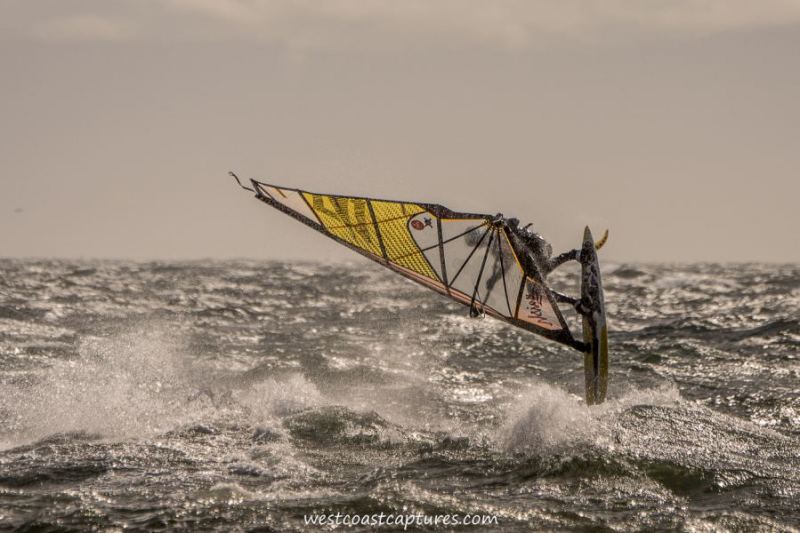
x,y
87,27
376,24
506,23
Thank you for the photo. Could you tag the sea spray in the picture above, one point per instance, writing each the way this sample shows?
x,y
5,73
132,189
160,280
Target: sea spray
x,y
546,419
140,382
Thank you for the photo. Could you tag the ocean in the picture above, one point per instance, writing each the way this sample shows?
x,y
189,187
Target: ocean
x,y
260,396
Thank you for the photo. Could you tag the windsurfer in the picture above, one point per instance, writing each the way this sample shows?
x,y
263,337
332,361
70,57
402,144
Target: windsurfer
x,y
540,253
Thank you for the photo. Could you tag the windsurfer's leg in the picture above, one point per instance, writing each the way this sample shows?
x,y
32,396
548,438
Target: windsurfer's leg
x,y
571,255
579,306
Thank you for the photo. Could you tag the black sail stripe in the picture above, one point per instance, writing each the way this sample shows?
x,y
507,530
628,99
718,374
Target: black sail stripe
x,y
377,230
441,255
480,275
519,296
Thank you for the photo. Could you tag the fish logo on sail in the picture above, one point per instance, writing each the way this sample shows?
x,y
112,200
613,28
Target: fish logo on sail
x,y
419,225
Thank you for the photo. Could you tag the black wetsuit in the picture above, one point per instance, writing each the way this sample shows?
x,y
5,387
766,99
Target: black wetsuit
x,y
540,254
539,250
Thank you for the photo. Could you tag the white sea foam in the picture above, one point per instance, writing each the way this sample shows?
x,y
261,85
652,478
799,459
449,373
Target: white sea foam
x,y
273,398
546,418
138,383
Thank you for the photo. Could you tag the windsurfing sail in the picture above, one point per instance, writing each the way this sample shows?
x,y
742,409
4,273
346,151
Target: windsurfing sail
x,y
471,258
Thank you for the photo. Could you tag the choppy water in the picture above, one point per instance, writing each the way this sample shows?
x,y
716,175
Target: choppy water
x,y
243,395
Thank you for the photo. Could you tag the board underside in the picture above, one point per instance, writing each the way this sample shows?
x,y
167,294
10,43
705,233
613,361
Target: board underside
x,y
595,329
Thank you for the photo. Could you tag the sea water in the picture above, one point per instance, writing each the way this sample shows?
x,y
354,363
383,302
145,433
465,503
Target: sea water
x,y
251,395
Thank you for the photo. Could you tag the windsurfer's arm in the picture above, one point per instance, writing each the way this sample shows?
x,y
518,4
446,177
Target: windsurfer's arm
x,y
571,255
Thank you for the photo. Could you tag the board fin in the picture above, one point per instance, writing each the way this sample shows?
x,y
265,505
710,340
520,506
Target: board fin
x,y
599,244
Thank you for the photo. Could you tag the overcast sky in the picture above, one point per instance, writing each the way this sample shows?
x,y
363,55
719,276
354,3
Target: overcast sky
x,y
675,124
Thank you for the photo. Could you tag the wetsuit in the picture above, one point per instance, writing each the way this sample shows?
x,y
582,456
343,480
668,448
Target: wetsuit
x,y
540,254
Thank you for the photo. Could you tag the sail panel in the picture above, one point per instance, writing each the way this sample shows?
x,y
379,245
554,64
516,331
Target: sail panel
x,y
466,258
536,308
460,248
347,218
397,222
291,200
494,282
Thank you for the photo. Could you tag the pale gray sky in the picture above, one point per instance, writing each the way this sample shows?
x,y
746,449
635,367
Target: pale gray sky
x,y
674,124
